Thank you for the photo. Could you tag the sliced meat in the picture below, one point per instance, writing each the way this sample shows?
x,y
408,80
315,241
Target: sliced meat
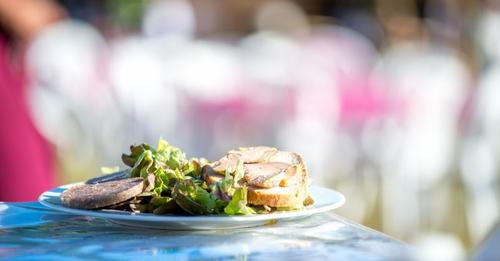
x,y
292,191
228,161
294,159
274,178
293,176
286,157
267,175
248,155
92,196
254,154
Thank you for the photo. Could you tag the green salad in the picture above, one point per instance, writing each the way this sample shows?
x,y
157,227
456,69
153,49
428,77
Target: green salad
x,y
176,184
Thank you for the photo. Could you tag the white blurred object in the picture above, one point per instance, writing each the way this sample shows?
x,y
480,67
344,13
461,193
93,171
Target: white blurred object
x,y
143,84
71,101
207,70
269,58
479,157
329,55
479,169
321,62
432,81
318,142
339,50
63,64
438,247
66,58
487,113
172,18
136,73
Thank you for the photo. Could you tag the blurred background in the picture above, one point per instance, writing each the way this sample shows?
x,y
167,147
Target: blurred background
x,y
396,104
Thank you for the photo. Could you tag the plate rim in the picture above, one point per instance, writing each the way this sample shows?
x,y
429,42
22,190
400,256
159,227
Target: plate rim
x,y
148,217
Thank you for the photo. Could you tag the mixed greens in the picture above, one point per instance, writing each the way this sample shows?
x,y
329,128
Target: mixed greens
x,y
175,184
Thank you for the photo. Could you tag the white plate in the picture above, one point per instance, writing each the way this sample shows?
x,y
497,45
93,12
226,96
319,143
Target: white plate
x,y
325,200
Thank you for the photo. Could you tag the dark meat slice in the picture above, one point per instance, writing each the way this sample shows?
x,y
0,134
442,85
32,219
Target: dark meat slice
x,y
92,196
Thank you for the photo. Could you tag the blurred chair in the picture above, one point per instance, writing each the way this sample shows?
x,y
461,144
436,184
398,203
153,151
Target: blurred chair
x,y
72,104
479,163
432,82
331,77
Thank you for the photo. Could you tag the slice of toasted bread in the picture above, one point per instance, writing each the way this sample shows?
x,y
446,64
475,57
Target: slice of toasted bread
x,y
293,196
92,196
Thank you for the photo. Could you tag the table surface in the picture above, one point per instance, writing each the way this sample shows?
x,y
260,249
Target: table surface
x,y
30,231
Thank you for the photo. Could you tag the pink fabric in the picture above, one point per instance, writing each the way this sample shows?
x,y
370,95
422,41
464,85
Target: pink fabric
x,y
25,157
363,98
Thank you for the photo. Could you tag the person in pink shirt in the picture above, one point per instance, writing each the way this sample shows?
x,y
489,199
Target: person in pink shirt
x,y
26,158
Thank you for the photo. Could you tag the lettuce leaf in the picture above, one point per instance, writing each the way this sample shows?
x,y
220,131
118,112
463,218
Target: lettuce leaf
x,y
195,200
178,183
239,172
135,153
227,186
238,204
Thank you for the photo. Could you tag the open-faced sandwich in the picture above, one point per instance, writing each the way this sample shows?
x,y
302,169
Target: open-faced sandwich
x,y
163,181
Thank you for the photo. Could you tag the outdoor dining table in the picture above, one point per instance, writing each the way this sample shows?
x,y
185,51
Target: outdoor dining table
x,y
30,231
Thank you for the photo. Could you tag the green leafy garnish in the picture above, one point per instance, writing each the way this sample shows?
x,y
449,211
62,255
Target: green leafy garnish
x,y
195,200
238,204
179,185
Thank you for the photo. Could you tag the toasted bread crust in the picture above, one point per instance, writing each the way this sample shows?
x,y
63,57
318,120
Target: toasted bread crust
x,y
287,197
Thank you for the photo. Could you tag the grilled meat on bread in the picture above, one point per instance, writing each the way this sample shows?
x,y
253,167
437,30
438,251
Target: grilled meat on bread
x,y
274,178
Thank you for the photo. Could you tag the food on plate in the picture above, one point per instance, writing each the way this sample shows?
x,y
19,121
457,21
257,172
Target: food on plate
x,y
274,178
90,196
245,181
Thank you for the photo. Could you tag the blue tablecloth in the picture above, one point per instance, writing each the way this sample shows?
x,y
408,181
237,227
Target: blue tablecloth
x,y
29,231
